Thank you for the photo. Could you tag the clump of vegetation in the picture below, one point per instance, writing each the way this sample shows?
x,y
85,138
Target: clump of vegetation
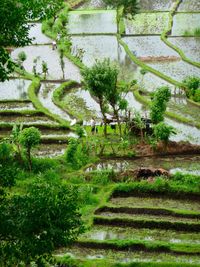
x,y
35,223
29,138
162,132
21,57
192,85
159,104
195,33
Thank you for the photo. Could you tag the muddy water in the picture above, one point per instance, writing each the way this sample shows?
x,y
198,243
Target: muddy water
x,y
177,70
118,233
14,89
147,23
149,46
181,106
156,202
125,256
182,164
184,132
95,47
26,120
189,5
181,24
93,4
88,21
36,34
189,45
16,106
45,96
50,150
100,47
52,58
154,5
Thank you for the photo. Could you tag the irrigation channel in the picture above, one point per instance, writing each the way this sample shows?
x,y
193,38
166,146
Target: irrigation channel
x,y
129,218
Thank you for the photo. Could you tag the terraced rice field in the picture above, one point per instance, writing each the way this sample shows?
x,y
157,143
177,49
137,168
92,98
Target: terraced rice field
x,y
128,228
133,221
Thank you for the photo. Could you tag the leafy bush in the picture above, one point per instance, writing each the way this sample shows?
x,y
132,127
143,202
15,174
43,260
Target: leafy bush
x,y
159,104
163,131
36,223
77,154
8,168
192,84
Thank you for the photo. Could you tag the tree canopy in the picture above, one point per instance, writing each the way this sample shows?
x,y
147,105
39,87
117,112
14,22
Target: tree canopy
x,y
34,224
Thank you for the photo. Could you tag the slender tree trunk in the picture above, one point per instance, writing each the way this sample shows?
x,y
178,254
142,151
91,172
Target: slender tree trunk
x,y
29,159
104,117
116,113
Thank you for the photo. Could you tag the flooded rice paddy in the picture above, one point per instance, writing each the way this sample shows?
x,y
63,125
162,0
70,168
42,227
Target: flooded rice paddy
x,y
103,233
189,5
37,36
188,164
147,24
45,96
165,203
181,25
89,22
16,106
45,53
126,256
14,89
189,45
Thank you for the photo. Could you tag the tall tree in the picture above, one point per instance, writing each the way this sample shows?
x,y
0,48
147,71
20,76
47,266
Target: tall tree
x,y
98,81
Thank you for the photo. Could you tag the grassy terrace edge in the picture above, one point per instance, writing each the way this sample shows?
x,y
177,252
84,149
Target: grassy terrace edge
x,y
149,211
60,91
168,30
137,245
32,92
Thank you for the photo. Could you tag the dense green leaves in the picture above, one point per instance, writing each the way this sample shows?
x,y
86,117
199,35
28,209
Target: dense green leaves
x,y
163,131
159,104
6,65
193,88
36,223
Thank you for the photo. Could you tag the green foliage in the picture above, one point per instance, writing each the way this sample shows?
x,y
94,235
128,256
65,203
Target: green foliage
x,y
77,154
22,56
130,6
8,168
159,104
7,66
80,131
163,132
34,224
29,138
44,69
192,84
